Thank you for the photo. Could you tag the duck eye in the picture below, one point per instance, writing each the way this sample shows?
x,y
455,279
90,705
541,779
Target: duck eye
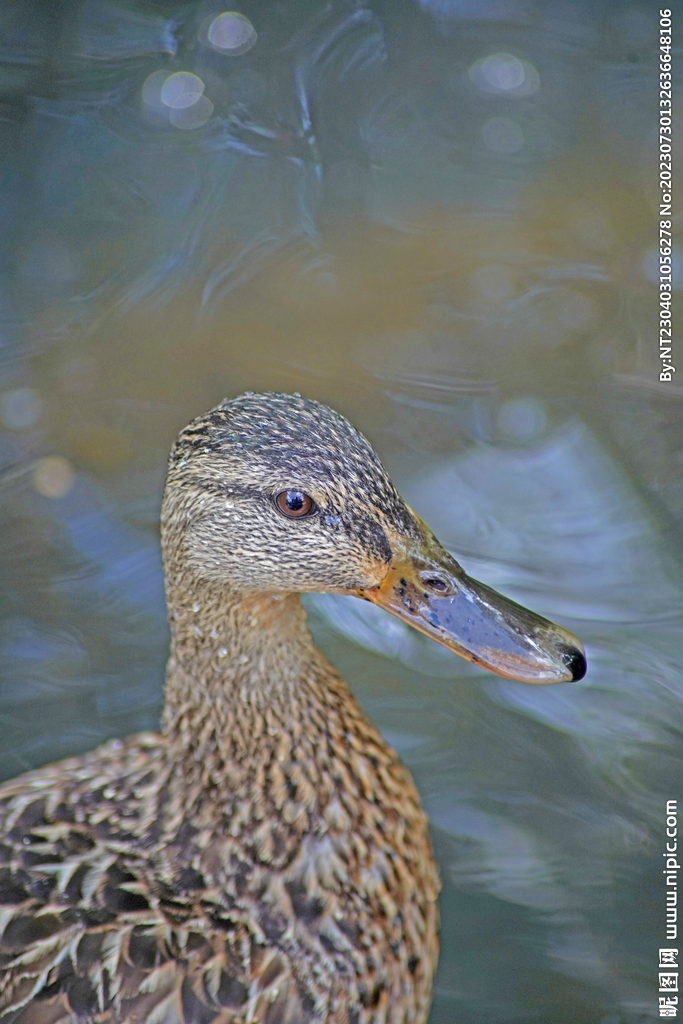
x,y
295,504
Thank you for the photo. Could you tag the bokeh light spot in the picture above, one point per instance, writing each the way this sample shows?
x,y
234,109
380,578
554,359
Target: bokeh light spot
x,y
21,408
503,73
231,33
501,135
53,476
181,89
637,26
576,311
522,419
194,116
151,89
494,283
651,267
591,226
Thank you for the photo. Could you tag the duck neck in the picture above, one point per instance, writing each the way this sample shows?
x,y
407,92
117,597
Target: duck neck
x,y
242,669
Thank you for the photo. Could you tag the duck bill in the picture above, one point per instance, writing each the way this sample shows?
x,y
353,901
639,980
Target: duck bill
x,y
427,588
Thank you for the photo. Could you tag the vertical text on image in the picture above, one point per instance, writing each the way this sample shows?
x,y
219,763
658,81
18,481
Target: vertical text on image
x,y
667,368
668,956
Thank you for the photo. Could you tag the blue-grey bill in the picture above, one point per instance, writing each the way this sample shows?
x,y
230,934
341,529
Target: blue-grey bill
x,y
427,588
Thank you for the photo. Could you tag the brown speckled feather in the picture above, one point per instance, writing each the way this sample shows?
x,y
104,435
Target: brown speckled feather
x,y
265,858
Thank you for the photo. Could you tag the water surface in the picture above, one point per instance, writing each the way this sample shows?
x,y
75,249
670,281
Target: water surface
x,y
440,218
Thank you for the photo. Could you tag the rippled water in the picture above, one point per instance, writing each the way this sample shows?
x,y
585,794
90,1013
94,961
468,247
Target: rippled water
x,y
438,217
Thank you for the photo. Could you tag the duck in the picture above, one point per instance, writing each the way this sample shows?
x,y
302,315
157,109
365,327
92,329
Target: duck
x,y
264,858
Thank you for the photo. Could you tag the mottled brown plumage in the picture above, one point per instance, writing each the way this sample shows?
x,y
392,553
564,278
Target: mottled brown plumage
x,y
265,857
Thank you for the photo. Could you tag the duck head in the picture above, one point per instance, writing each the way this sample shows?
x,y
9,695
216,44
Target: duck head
x,y
276,493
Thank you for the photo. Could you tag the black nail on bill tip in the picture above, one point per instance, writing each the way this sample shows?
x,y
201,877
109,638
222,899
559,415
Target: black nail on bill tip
x,y
576,663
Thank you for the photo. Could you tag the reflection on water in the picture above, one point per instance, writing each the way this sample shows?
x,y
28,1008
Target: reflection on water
x,y
437,217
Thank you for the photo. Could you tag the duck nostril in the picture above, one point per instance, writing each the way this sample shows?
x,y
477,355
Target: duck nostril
x,y
437,584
